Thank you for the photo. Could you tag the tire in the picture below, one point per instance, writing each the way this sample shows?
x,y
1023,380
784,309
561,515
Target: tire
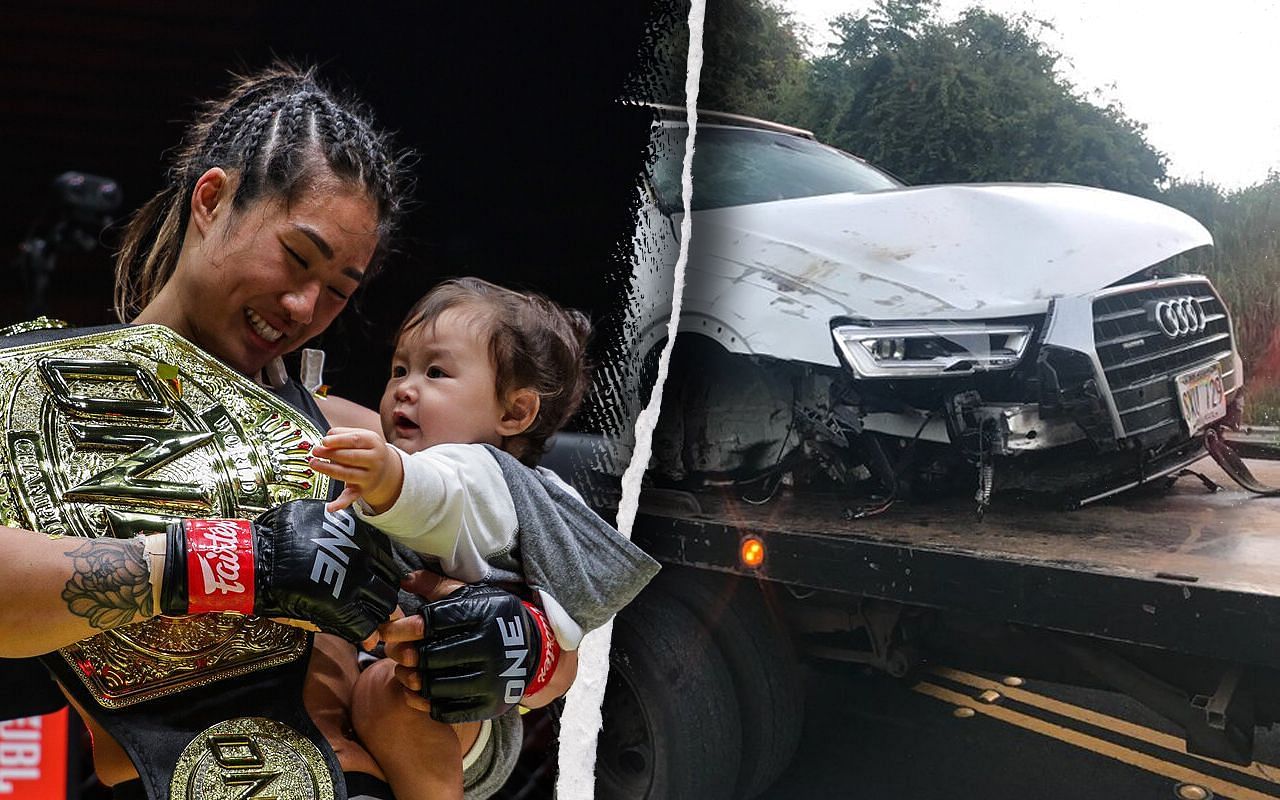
x,y
671,725
762,663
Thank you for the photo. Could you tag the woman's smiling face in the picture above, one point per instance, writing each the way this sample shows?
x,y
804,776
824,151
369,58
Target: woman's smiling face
x,y
262,281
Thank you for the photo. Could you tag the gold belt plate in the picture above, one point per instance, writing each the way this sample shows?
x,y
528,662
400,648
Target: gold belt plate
x,y
251,757
116,433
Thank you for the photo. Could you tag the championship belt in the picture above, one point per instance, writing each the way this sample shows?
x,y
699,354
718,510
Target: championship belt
x,y
117,433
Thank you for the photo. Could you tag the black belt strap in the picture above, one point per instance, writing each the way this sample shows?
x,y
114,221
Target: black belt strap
x,y
154,733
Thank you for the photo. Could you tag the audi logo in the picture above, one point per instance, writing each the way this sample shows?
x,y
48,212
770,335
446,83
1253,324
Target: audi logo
x,y
1179,316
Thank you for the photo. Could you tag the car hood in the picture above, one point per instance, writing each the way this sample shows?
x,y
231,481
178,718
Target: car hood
x,y
933,252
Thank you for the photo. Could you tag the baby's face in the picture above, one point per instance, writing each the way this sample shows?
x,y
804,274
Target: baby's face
x,y
443,386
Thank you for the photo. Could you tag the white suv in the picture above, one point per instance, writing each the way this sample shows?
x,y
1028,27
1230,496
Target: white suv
x,y
838,325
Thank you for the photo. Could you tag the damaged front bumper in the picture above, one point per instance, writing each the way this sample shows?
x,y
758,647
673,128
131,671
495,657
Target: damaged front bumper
x,y
1112,362
1120,386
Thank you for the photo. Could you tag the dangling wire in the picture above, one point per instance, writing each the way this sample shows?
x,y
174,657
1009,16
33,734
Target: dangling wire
x,y
776,470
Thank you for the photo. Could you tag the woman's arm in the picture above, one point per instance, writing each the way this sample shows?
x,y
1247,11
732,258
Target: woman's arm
x,y
561,680
343,413
57,591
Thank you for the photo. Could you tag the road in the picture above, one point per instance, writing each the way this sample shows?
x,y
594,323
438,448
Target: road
x,y
874,738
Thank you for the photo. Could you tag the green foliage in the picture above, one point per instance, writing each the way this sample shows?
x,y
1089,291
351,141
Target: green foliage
x,y
1204,201
978,99
1245,266
974,100
981,99
753,60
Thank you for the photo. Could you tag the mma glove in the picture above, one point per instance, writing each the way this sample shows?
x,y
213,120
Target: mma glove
x,y
296,561
483,651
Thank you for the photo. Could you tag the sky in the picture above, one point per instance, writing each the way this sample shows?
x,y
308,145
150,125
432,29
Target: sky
x,y
1203,76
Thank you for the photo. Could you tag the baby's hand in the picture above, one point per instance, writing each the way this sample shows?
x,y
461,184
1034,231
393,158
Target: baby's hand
x,y
361,459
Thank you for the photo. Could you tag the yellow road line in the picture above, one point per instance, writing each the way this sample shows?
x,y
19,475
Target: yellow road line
x,y
1139,732
1101,746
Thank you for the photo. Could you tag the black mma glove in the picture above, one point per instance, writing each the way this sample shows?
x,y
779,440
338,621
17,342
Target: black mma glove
x,y
483,650
296,561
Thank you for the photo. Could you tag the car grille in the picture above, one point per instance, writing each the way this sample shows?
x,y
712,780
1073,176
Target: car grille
x,y
1140,361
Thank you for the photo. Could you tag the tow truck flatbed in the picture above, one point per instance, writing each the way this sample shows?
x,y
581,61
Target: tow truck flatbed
x,y
1185,570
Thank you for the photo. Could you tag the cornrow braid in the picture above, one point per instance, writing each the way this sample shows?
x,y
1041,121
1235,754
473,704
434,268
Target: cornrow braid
x,y
231,121
256,135
291,135
276,131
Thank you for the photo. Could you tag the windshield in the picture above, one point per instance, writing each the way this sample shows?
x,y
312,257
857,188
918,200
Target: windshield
x,y
739,166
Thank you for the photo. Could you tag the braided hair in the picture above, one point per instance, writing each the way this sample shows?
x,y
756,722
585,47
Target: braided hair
x,y
275,131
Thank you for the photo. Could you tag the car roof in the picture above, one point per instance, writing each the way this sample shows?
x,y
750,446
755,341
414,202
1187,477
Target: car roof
x,y
671,113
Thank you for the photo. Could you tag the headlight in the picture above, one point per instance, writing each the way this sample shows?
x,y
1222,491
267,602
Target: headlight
x,y
928,350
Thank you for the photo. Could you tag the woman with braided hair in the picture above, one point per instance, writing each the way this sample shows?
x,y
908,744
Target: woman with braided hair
x,y
278,206
274,153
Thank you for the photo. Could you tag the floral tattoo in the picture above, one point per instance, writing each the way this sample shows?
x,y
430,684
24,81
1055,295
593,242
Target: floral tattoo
x,y
111,584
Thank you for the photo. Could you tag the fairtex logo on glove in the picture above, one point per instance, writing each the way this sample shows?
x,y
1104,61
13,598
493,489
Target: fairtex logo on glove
x,y
550,651
220,565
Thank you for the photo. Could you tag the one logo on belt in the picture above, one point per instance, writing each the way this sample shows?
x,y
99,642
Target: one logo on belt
x,y
251,758
1179,316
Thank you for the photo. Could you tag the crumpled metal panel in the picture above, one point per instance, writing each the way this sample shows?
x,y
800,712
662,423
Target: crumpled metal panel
x,y
771,275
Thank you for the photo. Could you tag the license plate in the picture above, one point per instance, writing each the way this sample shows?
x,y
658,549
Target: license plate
x,y
1201,396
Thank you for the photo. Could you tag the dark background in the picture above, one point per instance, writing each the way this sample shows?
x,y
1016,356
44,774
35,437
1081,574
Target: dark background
x,y
526,160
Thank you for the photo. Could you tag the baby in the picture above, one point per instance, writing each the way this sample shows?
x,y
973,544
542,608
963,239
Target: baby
x,y
481,377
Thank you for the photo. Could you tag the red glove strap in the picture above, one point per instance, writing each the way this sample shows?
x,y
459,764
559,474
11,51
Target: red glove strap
x,y
550,652
219,565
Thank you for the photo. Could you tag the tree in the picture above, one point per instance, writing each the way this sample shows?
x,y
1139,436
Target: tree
x,y
753,60
974,100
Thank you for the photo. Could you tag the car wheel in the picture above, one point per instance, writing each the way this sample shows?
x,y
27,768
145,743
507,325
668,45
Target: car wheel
x,y
762,663
671,724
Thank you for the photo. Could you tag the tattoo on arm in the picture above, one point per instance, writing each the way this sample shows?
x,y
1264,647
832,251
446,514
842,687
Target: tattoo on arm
x,y
110,584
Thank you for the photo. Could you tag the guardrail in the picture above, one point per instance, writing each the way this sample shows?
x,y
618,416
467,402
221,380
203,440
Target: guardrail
x,y
1255,441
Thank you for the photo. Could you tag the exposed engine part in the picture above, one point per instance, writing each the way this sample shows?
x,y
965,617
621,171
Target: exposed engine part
x,y
907,425
763,424
1020,428
827,462
1009,428
986,472
986,483
824,423
1069,390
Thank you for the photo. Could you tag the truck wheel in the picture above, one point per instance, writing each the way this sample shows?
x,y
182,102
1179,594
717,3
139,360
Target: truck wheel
x,y
671,725
761,661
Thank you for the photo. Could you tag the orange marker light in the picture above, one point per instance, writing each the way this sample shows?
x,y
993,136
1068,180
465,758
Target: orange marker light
x,y
751,552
